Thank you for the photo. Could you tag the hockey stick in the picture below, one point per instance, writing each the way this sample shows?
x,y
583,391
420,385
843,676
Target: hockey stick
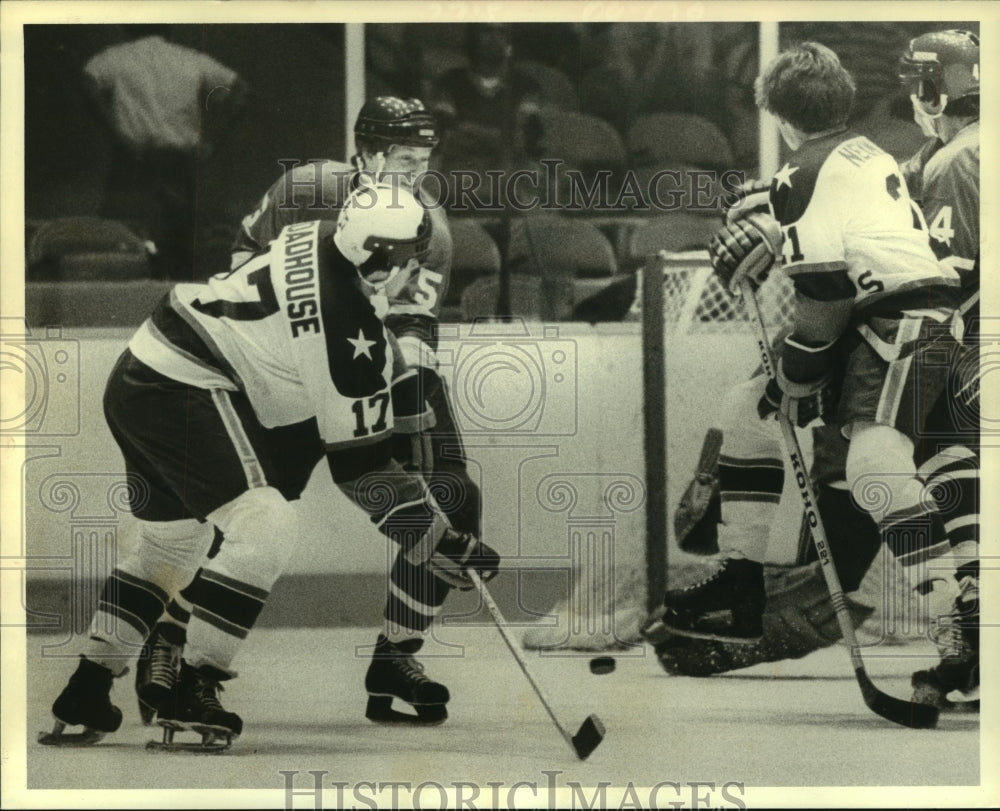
x,y
591,731
906,713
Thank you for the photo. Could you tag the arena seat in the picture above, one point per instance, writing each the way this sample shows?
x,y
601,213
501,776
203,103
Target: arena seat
x,y
475,255
555,87
547,245
85,249
674,232
531,297
581,140
681,138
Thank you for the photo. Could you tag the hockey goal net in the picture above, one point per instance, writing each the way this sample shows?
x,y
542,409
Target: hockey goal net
x,y
706,342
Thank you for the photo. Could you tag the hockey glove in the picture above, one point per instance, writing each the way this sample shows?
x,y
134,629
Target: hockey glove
x,y
804,387
746,248
412,417
457,552
753,197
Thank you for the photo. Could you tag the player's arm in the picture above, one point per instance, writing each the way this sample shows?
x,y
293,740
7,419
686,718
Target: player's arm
x,y
804,386
403,510
951,210
412,414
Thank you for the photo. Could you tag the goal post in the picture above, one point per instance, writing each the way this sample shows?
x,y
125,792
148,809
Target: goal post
x,y
696,342
654,444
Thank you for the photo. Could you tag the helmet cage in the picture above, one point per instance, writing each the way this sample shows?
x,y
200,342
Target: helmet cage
x,y
940,68
388,252
922,78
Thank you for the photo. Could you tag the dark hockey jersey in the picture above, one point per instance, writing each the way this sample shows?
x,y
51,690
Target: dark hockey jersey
x,y
292,329
950,202
317,191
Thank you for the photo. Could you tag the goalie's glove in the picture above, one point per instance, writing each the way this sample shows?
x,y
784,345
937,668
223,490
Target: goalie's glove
x,y
804,388
745,248
412,418
753,197
457,552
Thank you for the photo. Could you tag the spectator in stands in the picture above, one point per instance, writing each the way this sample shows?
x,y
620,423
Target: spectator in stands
x,y
489,108
652,68
166,107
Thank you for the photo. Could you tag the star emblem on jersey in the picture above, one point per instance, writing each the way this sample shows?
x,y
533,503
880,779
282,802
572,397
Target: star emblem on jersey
x,y
784,176
362,346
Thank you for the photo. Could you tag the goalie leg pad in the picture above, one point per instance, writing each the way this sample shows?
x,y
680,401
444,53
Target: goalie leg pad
x,y
700,509
798,620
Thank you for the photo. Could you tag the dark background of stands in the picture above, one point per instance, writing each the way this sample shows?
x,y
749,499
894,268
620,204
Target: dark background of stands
x,y
295,111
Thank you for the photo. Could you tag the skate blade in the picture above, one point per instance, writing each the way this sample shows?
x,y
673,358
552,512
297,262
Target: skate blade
x,y
380,711
191,748
59,738
213,739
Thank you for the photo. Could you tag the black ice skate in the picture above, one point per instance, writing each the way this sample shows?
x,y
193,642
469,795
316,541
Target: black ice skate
x,y
194,706
956,636
727,606
394,673
86,702
157,668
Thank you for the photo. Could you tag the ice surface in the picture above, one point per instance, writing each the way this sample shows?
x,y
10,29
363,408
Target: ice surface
x,y
300,692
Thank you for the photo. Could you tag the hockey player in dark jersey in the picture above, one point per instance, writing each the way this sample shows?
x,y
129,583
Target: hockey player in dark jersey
x,y
291,338
871,303
394,139
941,72
799,616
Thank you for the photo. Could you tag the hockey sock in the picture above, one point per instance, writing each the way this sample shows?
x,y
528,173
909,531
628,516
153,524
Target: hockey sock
x,y
230,591
751,473
178,613
952,477
884,481
415,598
750,490
136,592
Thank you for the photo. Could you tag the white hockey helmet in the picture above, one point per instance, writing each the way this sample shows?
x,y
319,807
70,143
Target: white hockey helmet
x,y
381,229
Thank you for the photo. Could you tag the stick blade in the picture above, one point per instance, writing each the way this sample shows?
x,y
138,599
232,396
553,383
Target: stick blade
x,y
904,713
588,737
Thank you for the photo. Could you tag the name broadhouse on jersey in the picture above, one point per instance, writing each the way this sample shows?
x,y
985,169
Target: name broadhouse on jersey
x,y
300,266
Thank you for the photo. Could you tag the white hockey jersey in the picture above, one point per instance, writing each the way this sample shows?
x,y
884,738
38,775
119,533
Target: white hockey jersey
x,y
291,329
850,228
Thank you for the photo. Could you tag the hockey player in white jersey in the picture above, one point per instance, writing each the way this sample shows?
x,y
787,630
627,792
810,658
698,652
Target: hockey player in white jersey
x,y
291,338
394,138
940,71
874,314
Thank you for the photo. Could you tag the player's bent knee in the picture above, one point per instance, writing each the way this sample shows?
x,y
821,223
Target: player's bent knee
x,y
169,552
260,528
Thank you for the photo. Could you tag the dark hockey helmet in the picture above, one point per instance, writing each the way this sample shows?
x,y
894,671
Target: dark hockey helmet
x,y
942,70
392,120
381,228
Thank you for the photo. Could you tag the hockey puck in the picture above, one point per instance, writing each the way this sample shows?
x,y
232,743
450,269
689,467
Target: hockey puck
x,y
600,665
